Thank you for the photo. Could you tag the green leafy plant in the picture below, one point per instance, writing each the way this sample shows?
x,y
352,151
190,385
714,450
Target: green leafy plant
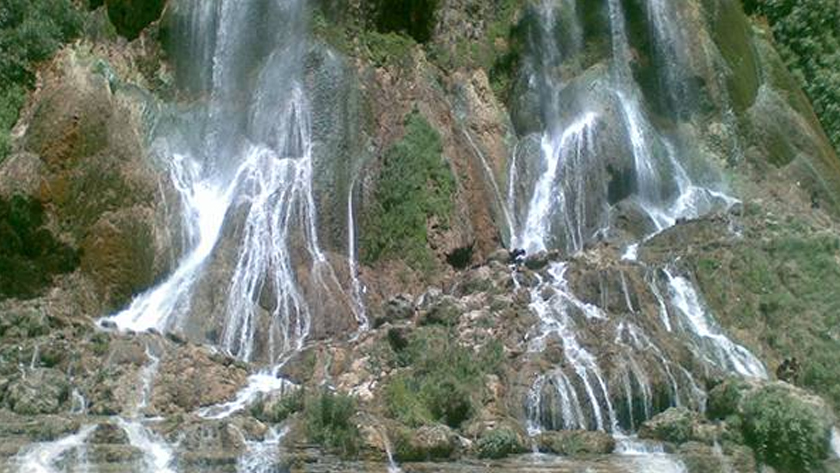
x,y
808,38
499,443
784,431
328,418
415,185
30,32
444,381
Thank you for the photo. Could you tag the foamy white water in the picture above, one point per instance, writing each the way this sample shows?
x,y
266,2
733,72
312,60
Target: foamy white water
x,y
44,457
262,456
259,384
715,345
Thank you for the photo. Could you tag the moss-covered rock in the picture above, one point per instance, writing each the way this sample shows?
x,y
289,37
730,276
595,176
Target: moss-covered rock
x,y
788,430
30,254
430,442
40,391
676,425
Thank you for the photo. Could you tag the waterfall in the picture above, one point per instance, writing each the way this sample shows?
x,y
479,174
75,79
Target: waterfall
x,y
716,347
259,384
352,265
556,322
241,161
158,456
567,207
44,457
261,456
561,186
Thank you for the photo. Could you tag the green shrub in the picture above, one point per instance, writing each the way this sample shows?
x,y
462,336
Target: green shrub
x,y
386,48
280,410
414,186
30,32
777,292
328,418
808,38
444,382
499,443
785,432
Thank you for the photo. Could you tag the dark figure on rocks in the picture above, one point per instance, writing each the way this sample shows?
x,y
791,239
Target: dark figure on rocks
x,y
788,371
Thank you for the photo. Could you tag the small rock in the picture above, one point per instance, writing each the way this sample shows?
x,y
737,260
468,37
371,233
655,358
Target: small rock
x,y
538,261
447,311
108,433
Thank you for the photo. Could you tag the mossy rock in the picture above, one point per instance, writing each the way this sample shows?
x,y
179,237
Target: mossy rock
x,y
41,391
725,398
676,425
430,442
732,34
30,255
118,253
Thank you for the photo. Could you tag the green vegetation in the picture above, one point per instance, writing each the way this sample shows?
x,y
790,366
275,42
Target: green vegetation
x,y
785,432
778,292
386,48
328,417
499,443
280,410
415,187
30,31
497,51
29,254
806,32
415,18
444,381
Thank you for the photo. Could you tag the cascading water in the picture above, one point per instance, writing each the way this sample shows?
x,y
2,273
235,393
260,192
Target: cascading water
x,y
567,204
260,457
45,457
716,347
241,161
557,324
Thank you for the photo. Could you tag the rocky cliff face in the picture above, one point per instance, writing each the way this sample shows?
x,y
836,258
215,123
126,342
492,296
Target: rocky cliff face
x,y
356,305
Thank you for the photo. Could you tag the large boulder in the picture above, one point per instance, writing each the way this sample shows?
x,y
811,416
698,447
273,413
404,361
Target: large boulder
x,y
191,378
98,202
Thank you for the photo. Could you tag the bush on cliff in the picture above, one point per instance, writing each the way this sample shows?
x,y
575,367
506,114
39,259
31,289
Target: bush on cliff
x,y
30,32
415,186
328,418
785,431
807,33
444,381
